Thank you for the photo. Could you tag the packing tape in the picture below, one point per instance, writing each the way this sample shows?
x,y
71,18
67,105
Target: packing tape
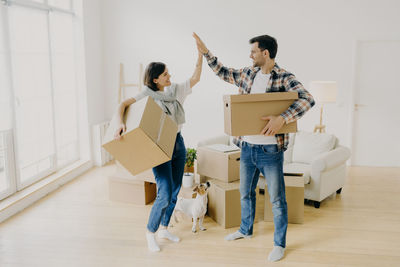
x,y
162,120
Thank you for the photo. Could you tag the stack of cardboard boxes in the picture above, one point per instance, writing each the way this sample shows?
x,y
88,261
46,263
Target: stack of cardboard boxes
x,y
220,164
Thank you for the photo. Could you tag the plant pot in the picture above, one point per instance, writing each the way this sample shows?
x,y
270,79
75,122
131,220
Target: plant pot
x,y
188,180
189,169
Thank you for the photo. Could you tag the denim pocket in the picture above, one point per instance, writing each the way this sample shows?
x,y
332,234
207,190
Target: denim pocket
x,y
270,149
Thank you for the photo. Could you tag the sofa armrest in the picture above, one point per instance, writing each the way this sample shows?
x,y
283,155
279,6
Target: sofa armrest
x,y
221,139
331,159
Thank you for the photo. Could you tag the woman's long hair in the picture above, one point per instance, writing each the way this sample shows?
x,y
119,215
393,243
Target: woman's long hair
x,y
153,71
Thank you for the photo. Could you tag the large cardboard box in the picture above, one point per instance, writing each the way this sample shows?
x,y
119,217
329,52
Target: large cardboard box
x,y
131,191
294,187
242,113
224,203
149,139
218,164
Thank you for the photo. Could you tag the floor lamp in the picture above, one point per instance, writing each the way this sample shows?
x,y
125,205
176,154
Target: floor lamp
x,y
323,92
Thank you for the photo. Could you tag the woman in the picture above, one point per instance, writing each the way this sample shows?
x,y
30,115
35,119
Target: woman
x,y
170,97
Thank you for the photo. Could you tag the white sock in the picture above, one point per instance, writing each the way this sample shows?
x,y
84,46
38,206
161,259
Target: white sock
x,y
163,233
236,235
151,242
276,253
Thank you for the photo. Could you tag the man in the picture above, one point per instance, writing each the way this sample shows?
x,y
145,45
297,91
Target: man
x,y
264,152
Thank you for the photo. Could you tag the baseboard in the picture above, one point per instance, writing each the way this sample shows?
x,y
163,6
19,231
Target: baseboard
x,y
23,199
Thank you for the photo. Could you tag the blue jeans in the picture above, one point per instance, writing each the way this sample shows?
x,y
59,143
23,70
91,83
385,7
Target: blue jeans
x,y
269,160
169,180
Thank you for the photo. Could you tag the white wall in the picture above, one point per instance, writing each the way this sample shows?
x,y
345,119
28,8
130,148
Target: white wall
x,y
316,42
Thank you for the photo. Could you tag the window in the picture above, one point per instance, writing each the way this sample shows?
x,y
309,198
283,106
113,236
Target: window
x,y
6,173
32,84
38,91
5,96
64,78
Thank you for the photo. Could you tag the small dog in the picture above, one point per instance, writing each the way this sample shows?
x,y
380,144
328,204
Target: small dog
x,y
194,207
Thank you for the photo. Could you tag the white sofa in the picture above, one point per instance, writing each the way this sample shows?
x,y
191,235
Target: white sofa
x,y
317,155
321,159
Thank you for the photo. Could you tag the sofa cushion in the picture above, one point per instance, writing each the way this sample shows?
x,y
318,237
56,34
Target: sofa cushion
x,y
308,146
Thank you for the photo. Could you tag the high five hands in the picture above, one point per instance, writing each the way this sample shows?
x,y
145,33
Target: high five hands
x,y
200,45
274,123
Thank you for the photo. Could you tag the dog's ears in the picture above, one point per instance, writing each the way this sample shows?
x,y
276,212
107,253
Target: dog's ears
x,y
196,189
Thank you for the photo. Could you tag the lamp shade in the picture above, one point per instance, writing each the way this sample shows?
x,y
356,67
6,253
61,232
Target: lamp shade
x,y
324,91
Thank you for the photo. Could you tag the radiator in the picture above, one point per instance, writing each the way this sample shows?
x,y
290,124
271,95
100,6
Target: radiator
x,y
100,155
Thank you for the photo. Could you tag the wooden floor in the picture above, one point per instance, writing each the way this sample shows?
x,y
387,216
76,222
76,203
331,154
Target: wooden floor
x,y
78,226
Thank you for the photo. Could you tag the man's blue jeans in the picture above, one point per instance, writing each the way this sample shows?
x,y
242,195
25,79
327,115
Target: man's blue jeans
x,y
269,160
169,180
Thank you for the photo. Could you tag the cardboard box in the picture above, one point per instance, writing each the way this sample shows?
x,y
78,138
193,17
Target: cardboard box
x,y
131,191
198,179
148,176
149,139
201,179
224,203
242,113
223,166
294,187
121,172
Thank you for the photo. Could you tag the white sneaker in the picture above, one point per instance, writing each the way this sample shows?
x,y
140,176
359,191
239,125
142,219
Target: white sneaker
x,y
164,233
152,243
276,254
236,235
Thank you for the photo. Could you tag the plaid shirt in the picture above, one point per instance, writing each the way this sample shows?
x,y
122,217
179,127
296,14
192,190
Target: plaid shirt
x,y
280,81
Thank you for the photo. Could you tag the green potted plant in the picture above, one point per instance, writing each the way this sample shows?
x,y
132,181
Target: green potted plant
x,y
191,155
188,177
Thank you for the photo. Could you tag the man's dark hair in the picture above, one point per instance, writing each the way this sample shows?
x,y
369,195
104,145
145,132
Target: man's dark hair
x,y
153,71
266,42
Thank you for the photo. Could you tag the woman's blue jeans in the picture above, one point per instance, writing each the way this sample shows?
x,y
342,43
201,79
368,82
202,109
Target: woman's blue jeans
x,y
269,160
169,180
